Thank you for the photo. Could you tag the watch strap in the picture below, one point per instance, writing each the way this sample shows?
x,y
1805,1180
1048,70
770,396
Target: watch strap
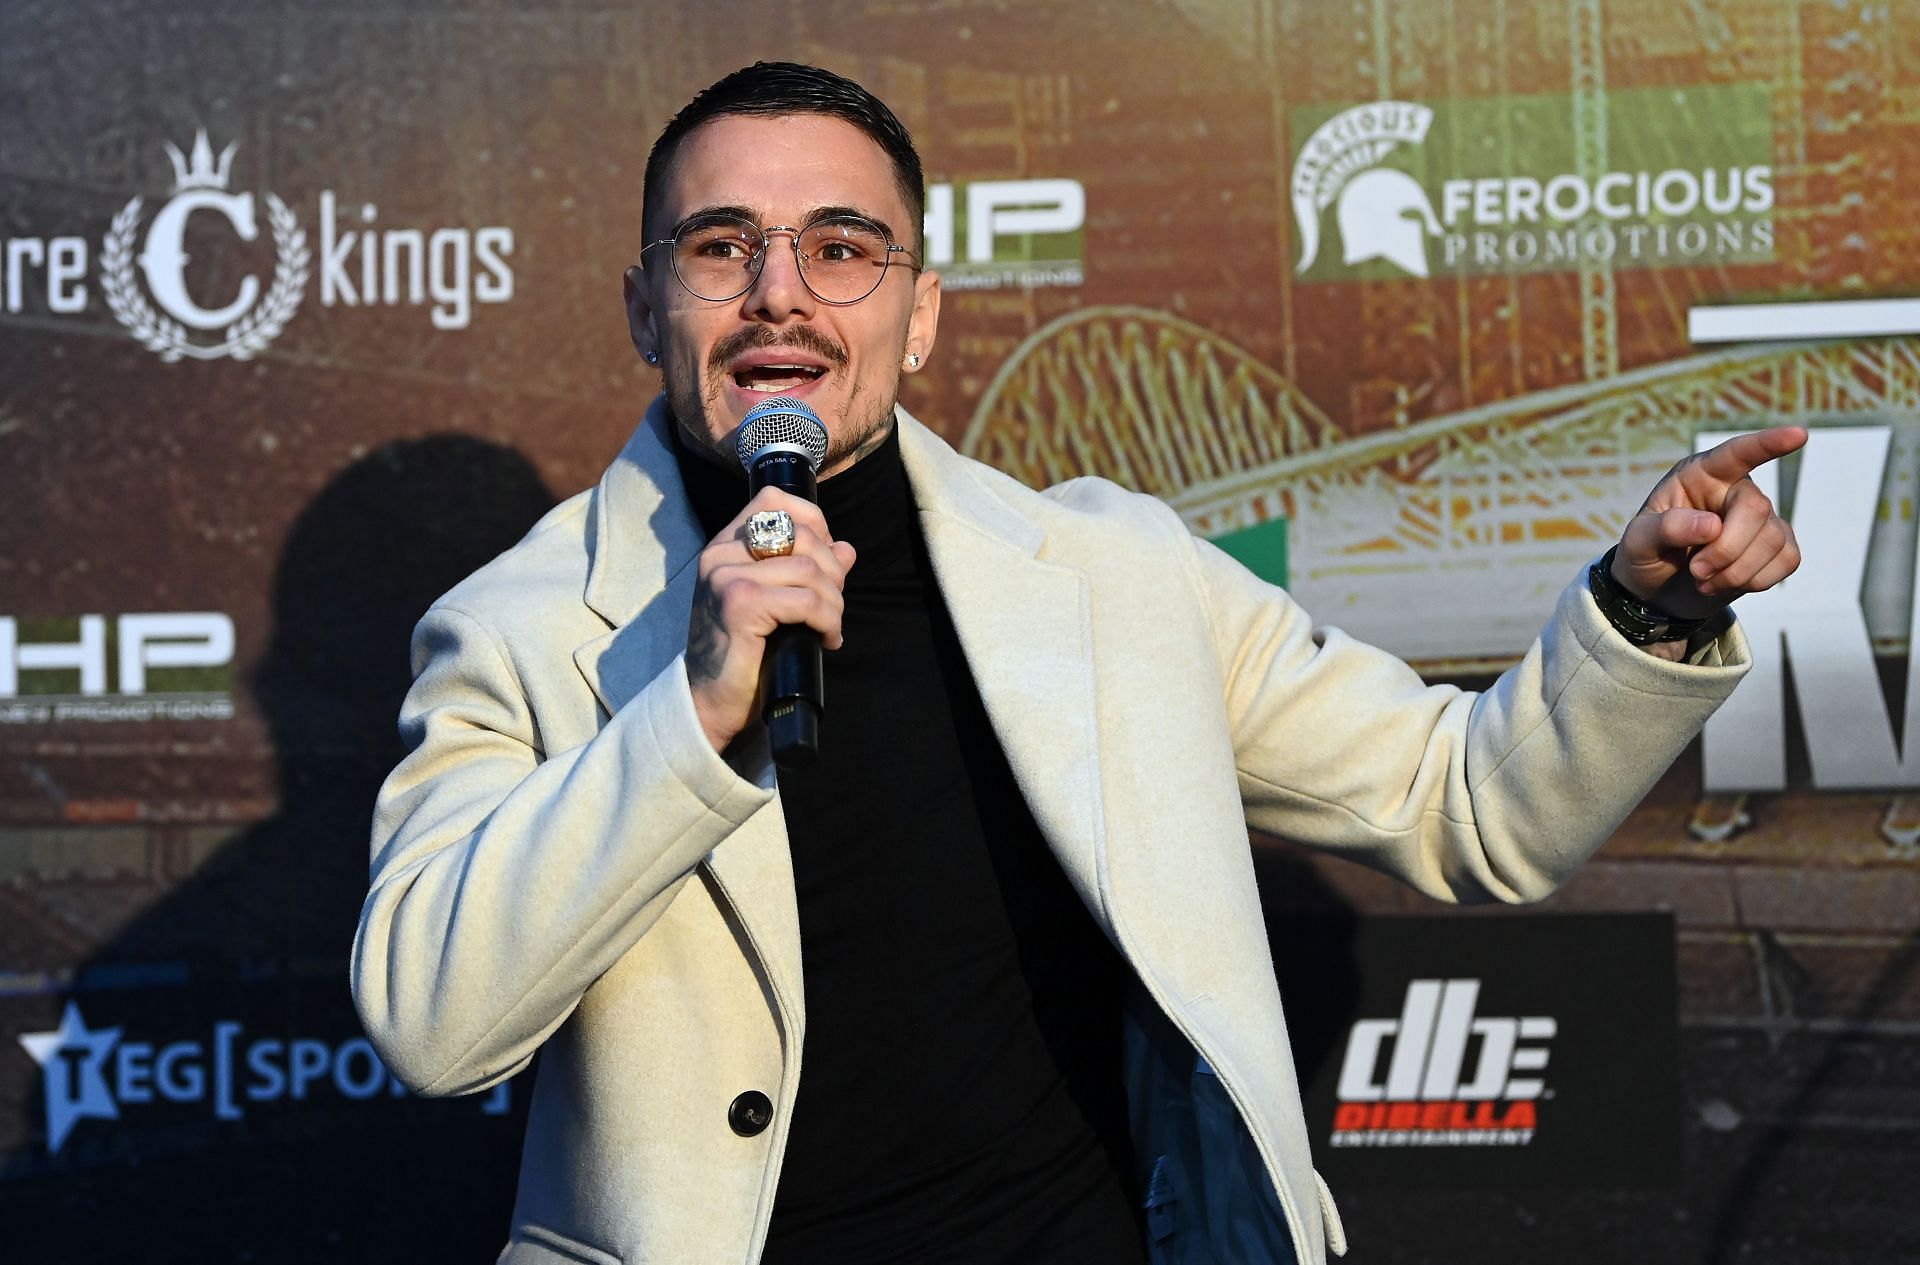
x,y
1638,622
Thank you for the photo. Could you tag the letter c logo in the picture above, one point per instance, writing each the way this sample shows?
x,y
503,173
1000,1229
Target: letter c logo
x,y
165,259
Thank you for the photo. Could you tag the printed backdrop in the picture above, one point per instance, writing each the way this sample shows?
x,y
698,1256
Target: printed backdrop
x,y
310,309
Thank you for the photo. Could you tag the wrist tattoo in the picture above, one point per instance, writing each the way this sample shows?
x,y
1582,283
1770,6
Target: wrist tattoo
x,y
707,638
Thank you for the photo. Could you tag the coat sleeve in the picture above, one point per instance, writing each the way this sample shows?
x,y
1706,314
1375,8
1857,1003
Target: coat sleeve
x,y
505,880
1466,796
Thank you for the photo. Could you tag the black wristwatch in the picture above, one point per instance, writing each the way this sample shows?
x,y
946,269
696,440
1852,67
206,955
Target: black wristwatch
x,y
1632,618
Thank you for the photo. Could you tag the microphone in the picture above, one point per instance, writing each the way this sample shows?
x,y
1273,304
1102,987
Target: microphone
x,y
781,444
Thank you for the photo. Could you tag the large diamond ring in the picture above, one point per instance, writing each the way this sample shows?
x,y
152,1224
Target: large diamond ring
x,y
770,534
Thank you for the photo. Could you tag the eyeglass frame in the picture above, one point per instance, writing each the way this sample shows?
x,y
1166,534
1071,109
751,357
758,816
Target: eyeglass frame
x,y
759,264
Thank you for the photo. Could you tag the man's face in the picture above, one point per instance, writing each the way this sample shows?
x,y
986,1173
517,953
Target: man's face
x,y
719,359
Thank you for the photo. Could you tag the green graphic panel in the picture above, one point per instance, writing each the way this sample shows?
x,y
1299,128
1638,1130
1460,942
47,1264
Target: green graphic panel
x,y
1261,549
57,682
1712,142
1011,249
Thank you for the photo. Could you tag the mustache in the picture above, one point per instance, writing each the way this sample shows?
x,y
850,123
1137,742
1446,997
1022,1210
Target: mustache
x,y
755,337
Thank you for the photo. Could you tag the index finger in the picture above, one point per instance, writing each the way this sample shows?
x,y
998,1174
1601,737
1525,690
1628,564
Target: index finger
x,y
1740,456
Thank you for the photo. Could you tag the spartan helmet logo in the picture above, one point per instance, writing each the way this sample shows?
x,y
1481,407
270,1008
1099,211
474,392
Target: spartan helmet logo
x,y
1382,213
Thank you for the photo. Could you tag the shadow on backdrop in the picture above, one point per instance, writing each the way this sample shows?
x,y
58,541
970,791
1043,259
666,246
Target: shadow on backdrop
x,y
289,1144
1766,1179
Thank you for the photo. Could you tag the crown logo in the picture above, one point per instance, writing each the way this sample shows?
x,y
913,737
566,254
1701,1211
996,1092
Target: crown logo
x,y
199,172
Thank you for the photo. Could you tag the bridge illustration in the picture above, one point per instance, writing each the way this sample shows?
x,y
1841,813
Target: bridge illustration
x,y
1384,529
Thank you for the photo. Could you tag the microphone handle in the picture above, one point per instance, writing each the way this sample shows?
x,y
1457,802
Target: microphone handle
x,y
792,674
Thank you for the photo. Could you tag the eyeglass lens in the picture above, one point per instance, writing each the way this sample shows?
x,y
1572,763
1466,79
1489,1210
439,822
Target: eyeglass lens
x,y
842,258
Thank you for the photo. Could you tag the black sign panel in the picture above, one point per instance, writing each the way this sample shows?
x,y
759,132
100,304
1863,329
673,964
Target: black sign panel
x,y
1487,1050
227,1110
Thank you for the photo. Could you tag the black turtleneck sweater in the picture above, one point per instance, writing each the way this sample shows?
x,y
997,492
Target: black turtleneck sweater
x,y
960,1095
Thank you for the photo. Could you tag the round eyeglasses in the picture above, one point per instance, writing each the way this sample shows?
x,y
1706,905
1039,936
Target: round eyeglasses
x,y
843,258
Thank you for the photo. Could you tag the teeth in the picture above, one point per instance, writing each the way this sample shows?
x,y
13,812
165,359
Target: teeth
x,y
773,379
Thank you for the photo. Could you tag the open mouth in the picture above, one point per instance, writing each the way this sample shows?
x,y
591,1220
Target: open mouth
x,y
774,379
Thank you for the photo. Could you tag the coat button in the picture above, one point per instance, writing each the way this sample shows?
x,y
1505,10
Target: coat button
x,y
750,1113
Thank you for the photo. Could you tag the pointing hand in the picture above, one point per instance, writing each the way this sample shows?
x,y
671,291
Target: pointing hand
x,y
1707,533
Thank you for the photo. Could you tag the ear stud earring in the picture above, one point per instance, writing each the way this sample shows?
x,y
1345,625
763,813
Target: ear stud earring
x,y
913,360
653,357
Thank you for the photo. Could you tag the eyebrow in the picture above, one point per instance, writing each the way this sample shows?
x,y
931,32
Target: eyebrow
x,y
812,216
828,212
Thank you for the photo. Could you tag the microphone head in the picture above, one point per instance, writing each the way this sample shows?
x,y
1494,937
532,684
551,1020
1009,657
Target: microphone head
x,y
783,423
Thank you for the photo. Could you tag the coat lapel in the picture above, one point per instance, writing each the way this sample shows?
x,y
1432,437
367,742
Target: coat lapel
x,y
644,540
1025,626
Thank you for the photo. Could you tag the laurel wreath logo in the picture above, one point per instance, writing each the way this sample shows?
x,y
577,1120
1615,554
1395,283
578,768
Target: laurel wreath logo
x,y
247,336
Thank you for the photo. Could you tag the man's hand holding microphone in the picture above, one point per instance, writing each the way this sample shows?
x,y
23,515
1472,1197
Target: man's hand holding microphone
x,y
761,614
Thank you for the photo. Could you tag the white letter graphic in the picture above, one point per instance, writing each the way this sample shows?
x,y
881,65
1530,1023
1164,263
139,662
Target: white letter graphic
x,y
1816,617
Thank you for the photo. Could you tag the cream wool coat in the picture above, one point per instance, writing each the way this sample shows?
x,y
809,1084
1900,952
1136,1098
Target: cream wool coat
x,y
563,862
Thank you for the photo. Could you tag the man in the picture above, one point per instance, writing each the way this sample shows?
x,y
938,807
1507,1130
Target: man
x,y
1035,1011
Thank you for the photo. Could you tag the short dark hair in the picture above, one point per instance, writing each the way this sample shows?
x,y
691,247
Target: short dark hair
x,y
778,88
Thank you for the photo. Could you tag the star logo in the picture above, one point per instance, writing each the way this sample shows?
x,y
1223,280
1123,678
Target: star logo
x,y
73,1064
